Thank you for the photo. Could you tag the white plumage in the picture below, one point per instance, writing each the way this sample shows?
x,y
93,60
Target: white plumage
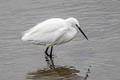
x,y
52,31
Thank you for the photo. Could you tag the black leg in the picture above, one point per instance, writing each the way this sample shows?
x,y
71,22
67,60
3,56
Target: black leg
x,y
53,66
46,51
51,52
49,60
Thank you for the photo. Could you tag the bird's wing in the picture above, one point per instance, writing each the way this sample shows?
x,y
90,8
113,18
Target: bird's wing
x,y
46,32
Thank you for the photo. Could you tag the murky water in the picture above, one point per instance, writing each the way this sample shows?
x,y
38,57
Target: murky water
x,y
100,20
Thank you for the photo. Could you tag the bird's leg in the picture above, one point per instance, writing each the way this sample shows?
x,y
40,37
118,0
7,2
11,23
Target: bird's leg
x,y
47,58
46,51
51,57
51,52
47,55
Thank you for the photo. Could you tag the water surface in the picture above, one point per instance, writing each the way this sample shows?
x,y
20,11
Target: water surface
x,y
100,20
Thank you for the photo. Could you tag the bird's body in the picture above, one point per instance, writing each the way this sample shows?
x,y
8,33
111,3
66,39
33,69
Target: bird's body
x,y
53,31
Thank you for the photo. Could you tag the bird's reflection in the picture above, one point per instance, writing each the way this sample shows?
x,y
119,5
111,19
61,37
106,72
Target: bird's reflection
x,y
50,62
56,73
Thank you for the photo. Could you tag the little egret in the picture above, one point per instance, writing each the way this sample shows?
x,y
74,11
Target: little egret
x,y
52,32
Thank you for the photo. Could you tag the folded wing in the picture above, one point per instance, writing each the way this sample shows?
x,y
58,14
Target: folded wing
x,y
46,32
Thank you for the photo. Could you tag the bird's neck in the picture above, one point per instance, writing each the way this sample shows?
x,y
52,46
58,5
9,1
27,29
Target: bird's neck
x,y
73,30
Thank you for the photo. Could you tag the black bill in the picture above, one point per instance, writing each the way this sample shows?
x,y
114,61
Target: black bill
x,y
82,31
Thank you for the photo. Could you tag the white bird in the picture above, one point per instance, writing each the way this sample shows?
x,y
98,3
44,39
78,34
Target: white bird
x,y
52,32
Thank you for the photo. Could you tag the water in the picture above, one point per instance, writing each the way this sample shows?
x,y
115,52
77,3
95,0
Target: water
x,y
100,20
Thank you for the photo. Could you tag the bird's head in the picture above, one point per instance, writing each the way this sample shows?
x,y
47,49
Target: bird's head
x,y
75,23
